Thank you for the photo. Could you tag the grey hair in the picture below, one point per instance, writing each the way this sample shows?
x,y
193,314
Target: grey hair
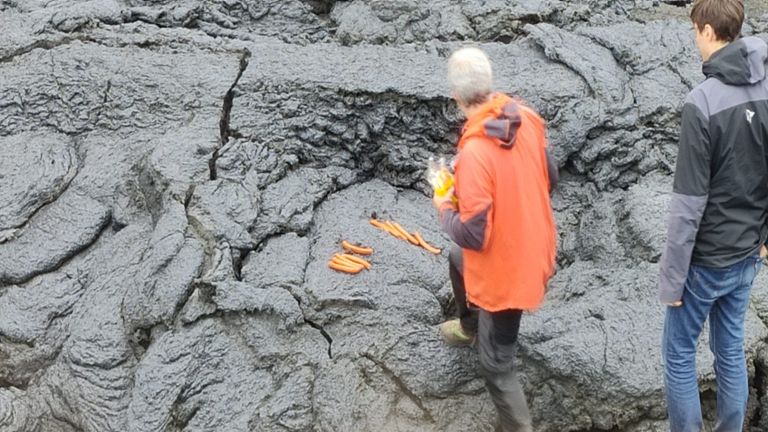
x,y
470,76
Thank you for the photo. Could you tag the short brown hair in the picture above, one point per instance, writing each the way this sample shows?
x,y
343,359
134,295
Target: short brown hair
x,y
725,16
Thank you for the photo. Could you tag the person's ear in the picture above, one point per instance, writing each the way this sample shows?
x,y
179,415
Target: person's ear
x,y
457,100
456,97
709,33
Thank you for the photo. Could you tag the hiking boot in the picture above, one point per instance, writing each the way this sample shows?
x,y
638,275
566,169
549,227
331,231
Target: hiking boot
x,y
454,335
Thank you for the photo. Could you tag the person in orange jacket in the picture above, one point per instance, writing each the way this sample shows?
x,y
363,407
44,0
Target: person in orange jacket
x,y
503,227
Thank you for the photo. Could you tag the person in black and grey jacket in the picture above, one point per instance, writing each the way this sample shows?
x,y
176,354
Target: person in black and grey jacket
x,y
717,217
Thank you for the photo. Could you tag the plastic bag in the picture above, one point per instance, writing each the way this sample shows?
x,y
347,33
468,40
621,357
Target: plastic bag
x,y
440,177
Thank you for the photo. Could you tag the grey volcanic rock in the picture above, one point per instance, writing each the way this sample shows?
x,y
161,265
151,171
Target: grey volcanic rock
x,y
297,21
176,172
175,176
255,165
169,391
56,233
15,415
168,268
645,210
654,103
619,159
595,64
598,236
280,263
198,305
401,22
239,296
408,21
55,163
643,47
262,366
226,210
288,204
34,324
760,294
78,87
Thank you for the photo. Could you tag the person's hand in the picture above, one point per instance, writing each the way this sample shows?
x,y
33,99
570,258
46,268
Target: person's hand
x,y
674,304
438,201
763,252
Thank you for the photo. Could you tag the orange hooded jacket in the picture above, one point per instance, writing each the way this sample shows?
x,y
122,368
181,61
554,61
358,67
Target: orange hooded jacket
x,y
504,221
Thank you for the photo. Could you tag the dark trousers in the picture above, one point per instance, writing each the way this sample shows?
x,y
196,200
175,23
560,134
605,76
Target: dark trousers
x,y
496,337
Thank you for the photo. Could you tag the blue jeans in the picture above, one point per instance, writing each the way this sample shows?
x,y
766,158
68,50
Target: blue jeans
x,y
723,295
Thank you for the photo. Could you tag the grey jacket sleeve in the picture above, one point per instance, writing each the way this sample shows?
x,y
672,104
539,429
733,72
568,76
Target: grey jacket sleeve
x,y
469,234
689,201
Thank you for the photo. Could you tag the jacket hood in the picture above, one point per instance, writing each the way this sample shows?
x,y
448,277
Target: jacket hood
x,y
498,119
739,63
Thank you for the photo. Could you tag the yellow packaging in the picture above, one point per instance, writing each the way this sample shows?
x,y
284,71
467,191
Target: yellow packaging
x,y
440,177
443,182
